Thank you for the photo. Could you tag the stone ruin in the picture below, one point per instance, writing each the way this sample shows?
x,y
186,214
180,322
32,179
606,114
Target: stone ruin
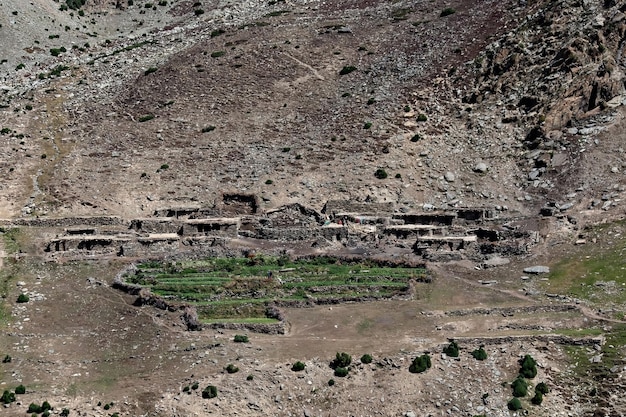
x,y
452,234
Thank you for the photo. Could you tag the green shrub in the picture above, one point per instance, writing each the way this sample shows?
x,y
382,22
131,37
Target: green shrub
x,y
187,389
250,377
342,360
514,404
520,387
209,392
420,364
542,387
7,397
145,118
421,117
241,338
164,167
23,298
198,12
367,125
217,54
447,12
269,182
194,386
381,174
217,32
371,101
367,358
528,367
331,382
7,359
341,372
479,354
207,129
347,70
47,414
34,408
65,412
150,70
231,369
537,399
452,350
298,366
20,389
19,67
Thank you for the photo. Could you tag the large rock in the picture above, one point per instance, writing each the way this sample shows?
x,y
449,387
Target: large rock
x,y
537,269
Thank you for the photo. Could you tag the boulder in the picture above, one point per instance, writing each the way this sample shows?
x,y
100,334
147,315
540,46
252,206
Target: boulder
x,y
537,269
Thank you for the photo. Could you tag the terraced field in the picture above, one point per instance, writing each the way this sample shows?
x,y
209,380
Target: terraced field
x,y
242,289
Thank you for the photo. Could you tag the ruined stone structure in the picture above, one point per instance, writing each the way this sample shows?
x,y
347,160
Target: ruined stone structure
x,y
463,233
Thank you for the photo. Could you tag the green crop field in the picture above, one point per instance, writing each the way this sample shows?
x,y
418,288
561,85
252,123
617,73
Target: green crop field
x,y
242,288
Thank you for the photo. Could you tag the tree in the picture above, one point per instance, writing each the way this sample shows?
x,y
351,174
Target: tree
x,y
537,399
520,387
240,338
528,367
298,366
209,392
342,360
479,354
367,358
514,404
542,387
20,389
341,372
420,364
231,369
23,298
452,350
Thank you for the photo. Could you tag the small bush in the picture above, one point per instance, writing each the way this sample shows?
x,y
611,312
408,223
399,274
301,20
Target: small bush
x,y
514,404
269,182
164,167
195,386
342,360
367,358
367,125
240,338
150,70
347,70
520,387
331,382
198,12
537,399
447,12
217,54
20,389
381,174
231,369
6,359
23,298
34,408
407,109
145,118
65,412
422,117
452,350
371,101
209,392
542,387
250,377
187,389
341,372
420,364
217,32
479,354
208,129
298,366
